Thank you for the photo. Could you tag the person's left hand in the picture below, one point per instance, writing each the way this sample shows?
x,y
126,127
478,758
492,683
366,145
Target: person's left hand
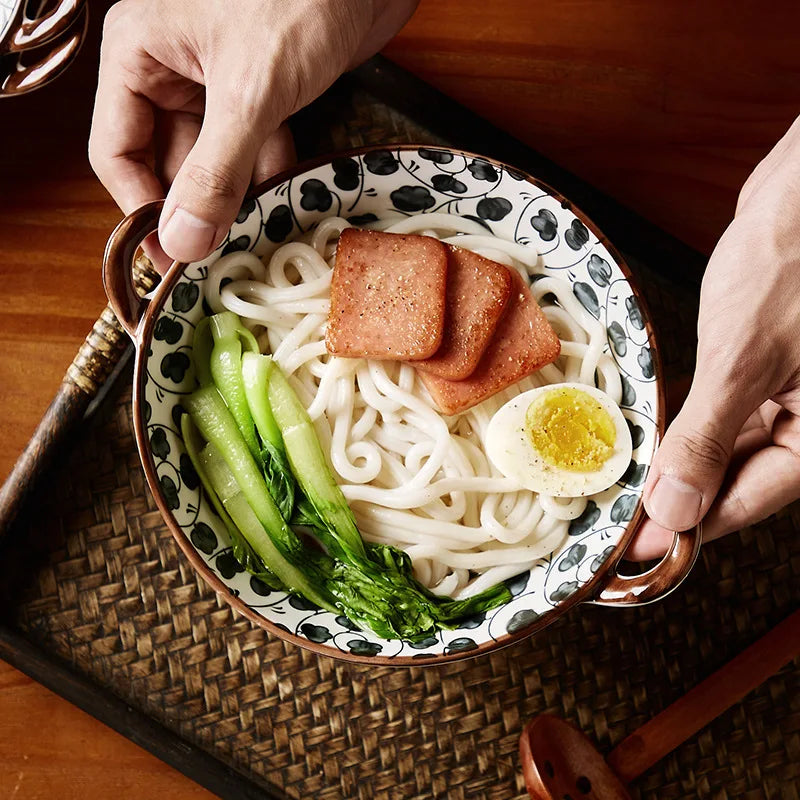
x,y
732,455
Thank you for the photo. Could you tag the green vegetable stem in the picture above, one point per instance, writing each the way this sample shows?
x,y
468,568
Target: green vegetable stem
x,y
230,336
266,474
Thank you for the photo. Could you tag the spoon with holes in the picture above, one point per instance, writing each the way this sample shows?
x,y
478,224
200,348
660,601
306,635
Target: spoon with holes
x,y
560,763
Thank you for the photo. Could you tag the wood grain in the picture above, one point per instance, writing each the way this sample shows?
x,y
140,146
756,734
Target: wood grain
x,y
667,110
48,748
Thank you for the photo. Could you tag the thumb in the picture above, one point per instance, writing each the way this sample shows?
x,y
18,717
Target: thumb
x,y
208,189
691,461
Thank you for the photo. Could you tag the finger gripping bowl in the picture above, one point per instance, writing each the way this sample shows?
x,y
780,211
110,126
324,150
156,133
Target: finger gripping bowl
x,y
408,180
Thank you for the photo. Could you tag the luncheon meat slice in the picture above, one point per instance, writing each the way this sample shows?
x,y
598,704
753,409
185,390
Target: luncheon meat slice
x,y
387,296
477,294
523,343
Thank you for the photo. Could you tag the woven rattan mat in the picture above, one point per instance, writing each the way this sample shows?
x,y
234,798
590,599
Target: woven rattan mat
x,y
95,578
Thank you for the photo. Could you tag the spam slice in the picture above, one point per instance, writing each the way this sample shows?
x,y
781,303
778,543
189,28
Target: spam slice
x,y
478,291
387,296
524,342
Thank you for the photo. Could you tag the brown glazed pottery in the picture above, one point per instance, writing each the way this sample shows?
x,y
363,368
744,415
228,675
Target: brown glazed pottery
x,y
36,50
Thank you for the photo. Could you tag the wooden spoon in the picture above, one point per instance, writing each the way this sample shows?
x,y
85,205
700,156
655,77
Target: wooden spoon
x,y
560,763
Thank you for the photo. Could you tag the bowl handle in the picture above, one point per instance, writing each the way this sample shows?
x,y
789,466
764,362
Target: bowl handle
x,y
658,582
22,78
118,263
35,32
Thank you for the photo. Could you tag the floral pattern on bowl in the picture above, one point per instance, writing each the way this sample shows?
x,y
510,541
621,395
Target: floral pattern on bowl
x,y
364,187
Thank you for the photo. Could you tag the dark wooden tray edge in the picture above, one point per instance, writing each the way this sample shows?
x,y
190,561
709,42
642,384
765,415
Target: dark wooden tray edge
x,y
59,677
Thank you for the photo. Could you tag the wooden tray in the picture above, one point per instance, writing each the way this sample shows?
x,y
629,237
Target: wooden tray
x,y
100,606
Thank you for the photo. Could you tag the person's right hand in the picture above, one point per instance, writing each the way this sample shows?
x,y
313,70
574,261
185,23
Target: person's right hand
x,y
191,97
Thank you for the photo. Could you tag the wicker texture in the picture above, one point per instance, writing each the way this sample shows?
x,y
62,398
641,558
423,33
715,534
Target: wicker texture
x,y
97,579
103,347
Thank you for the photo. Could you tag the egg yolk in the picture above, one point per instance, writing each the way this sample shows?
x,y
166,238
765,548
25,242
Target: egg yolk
x,y
570,430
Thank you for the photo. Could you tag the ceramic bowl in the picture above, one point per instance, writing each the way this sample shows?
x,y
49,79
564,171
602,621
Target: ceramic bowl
x,y
364,185
35,48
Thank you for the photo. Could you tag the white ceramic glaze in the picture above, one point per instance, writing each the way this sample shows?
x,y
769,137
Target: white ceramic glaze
x,y
404,181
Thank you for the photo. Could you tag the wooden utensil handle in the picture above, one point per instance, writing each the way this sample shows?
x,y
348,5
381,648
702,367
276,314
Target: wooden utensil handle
x,y
706,701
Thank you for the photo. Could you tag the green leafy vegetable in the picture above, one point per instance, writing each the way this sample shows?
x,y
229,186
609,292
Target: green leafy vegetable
x,y
265,472
226,369
278,473
242,551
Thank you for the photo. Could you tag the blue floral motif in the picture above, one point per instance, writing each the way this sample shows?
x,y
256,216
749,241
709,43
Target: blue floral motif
x,y
170,492
437,156
174,366
447,183
159,444
381,162
493,208
634,313
618,338
279,224
623,508
412,181
546,224
586,520
599,270
236,245
316,196
184,296
587,296
347,173
483,171
412,198
203,538
628,393
521,620
564,591
577,235
168,330
637,434
248,207
645,359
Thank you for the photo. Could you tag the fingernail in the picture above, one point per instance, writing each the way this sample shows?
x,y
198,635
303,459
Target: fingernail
x,y
153,250
674,504
186,237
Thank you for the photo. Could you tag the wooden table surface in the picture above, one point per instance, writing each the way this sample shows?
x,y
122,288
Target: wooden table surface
x,y
664,106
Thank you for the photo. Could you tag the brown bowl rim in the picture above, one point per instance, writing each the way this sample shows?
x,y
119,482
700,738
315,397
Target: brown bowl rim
x,y
586,592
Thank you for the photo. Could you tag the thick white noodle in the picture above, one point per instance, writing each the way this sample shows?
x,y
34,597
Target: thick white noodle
x,y
415,479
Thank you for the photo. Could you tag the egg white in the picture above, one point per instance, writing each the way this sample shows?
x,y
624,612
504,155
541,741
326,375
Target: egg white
x,y
512,452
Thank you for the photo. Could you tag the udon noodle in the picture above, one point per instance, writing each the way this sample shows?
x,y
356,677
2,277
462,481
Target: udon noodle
x,y
413,477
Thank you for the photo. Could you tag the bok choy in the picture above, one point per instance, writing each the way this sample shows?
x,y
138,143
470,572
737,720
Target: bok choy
x,y
269,479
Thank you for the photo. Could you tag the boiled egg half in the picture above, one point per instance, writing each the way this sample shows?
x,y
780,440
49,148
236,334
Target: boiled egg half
x,y
563,440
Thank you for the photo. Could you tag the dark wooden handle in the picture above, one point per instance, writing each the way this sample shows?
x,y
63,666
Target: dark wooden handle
x,y
663,578
45,28
706,701
24,78
118,264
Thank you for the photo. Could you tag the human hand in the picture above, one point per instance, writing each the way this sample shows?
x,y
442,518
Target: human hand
x,y
732,455
191,97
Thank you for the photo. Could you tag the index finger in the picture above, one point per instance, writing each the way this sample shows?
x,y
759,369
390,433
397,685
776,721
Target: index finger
x,y
121,139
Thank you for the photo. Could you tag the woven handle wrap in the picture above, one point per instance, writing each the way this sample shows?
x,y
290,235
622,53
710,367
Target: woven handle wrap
x,y
107,340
